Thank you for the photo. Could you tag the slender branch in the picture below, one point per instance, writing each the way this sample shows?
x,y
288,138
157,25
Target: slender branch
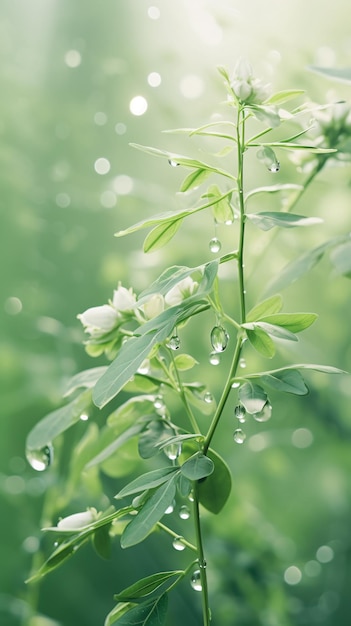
x,y
184,399
175,535
201,559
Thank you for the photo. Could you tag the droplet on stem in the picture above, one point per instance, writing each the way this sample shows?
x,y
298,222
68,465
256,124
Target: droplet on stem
x,y
174,342
215,245
178,543
239,436
184,512
265,414
41,459
208,397
172,451
196,581
219,338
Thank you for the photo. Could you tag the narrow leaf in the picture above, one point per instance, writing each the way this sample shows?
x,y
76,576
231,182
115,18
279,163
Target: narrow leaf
x,y
342,74
161,235
194,179
341,259
152,479
284,96
274,330
145,586
294,322
154,508
261,342
151,613
288,381
87,379
293,271
285,187
267,307
268,219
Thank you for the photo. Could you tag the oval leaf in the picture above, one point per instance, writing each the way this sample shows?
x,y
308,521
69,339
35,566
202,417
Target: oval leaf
x,y
197,466
214,491
152,479
145,586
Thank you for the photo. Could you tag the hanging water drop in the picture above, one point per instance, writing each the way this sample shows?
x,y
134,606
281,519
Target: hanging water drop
x,y
242,363
219,338
84,417
191,497
240,412
208,397
214,358
215,245
159,402
274,167
196,581
265,414
173,163
172,451
170,508
184,512
235,385
178,543
40,459
174,342
239,436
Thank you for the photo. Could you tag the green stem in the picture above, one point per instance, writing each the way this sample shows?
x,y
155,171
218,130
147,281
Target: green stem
x,y
241,144
184,399
175,535
201,559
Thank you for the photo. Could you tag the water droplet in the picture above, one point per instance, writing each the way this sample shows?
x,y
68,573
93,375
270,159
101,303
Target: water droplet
x,y
56,544
172,451
174,343
215,245
84,417
191,497
265,414
219,338
178,543
274,167
173,163
235,385
170,508
239,436
184,512
240,412
242,363
196,580
40,459
202,564
208,397
159,402
214,358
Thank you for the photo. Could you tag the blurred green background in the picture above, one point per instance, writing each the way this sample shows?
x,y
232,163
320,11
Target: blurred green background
x,y
280,552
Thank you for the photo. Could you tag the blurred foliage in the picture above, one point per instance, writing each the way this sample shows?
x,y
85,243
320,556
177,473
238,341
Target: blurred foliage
x,y
68,72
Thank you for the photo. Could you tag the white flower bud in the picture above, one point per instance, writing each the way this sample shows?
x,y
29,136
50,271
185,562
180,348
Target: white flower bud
x,y
77,520
99,319
154,306
123,299
180,291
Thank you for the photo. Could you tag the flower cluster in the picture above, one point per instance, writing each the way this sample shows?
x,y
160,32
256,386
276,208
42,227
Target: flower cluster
x,y
246,87
105,324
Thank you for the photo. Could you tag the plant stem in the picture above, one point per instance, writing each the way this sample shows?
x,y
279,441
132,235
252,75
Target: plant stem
x,y
184,399
174,535
241,144
201,559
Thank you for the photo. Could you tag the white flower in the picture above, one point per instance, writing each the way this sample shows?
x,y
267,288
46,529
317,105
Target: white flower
x,y
154,306
180,291
77,520
123,299
99,320
246,87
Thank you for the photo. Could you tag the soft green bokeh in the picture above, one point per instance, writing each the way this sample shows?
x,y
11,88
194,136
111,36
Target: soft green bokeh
x,y
69,71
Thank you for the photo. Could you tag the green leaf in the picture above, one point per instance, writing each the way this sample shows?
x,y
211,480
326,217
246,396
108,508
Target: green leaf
x,y
297,268
269,306
57,422
142,383
182,160
102,542
146,586
197,466
341,259
109,442
221,210
266,114
268,219
214,491
293,322
289,381
274,330
169,216
151,613
194,179
253,397
150,439
87,378
152,511
284,96
161,235
342,74
152,479
181,438
117,612
261,342
285,187
168,279
132,409
184,362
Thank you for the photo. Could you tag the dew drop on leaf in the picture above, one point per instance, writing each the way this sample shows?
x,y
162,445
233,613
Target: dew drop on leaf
x,y
239,436
184,512
208,397
274,167
219,338
196,581
265,414
41,459
159,402
240,412
242,363
170,508
215,245
174,343
178,543
173,163
172,451
214,358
